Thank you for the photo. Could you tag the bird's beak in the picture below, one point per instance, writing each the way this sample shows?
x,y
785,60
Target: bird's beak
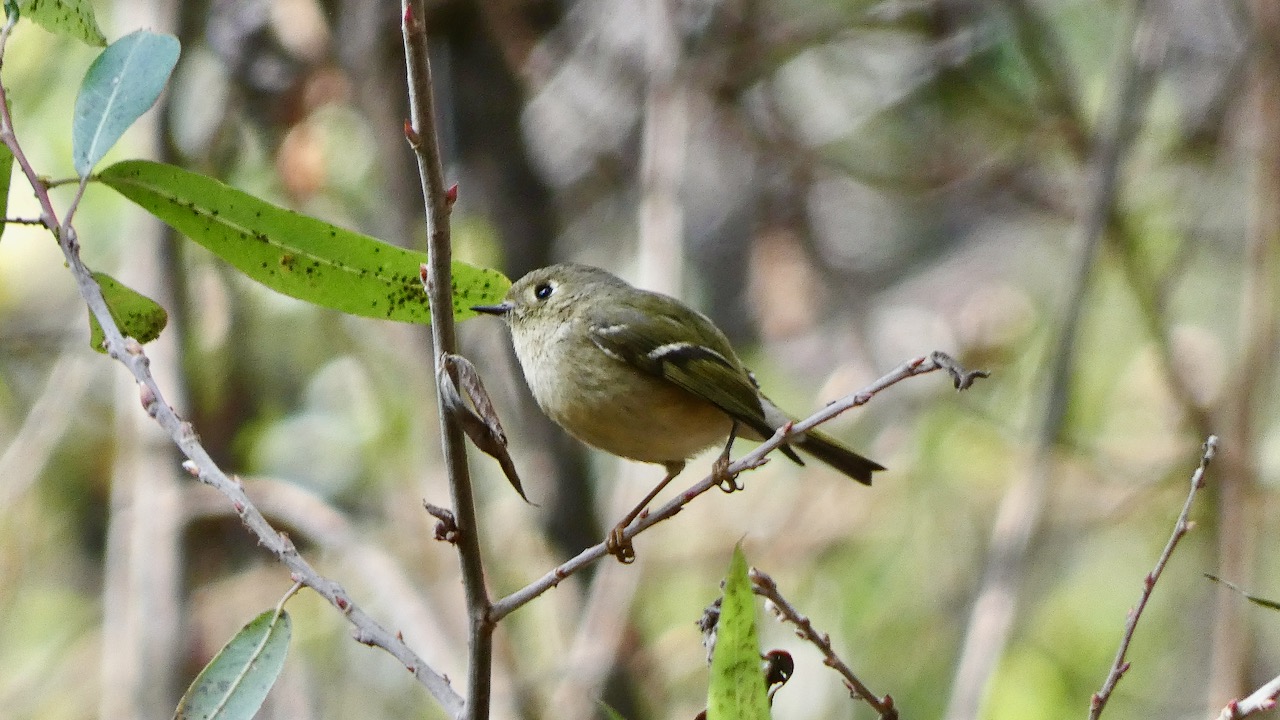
x,y
499,310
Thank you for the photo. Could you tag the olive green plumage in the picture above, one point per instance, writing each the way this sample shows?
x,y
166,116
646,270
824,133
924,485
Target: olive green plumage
x,y
640,374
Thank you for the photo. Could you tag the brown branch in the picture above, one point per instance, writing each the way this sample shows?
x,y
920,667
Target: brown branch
x,y
423,138
129,353
918,366
1180,528
764,586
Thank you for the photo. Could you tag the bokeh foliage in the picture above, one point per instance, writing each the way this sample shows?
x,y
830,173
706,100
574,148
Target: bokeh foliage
x,y
853,184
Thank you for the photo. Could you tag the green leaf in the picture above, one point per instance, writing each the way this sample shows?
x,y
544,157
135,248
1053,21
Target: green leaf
x,y
6,175
610,712
122,83
138,316
64,17
294,254
737,690
234,684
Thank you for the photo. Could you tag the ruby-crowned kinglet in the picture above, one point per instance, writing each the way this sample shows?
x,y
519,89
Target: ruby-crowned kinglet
x,y
640,374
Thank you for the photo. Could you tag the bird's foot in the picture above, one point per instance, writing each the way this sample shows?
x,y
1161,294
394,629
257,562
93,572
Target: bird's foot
x,y
617,545
726,481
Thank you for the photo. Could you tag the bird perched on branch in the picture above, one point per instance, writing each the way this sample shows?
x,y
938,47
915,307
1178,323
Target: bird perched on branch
x,y
642,375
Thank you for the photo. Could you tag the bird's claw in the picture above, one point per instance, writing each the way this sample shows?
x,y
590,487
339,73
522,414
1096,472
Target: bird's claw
x,y
619,546
726,481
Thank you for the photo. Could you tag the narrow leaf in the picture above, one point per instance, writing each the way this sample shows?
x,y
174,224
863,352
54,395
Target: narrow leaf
x,y
137,315
64,17
1259,601
737,690
121,84
234,684
294,254
6,175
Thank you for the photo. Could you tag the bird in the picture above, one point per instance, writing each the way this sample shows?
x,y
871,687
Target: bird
x,y
641,375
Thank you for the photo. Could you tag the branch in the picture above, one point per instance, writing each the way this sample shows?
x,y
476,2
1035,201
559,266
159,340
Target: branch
x,y
1262,699
129,353
961,378
423,138
764,586
1180,528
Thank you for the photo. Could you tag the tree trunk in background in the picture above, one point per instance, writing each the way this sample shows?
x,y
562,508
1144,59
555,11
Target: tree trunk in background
x,y
1237,498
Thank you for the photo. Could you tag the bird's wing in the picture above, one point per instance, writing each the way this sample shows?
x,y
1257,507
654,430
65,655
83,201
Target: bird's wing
x,y
649,343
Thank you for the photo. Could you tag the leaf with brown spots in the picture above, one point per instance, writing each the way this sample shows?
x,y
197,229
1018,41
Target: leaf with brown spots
x,y
137,315
65,17
294,254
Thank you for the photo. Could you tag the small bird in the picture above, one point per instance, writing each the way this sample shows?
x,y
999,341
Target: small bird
x,y
642,375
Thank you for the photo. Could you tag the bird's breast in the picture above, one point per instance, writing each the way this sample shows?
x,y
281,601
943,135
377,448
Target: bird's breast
x,y
611,405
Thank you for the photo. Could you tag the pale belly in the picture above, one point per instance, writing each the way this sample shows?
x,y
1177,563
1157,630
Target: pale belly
x,y
618,409
651,421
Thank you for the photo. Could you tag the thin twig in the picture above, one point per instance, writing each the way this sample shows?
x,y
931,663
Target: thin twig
x,y
917,366
130,354
1262,699
1180,528
422,136
764,586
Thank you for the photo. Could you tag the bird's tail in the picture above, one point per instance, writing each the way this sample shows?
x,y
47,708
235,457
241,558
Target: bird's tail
x,y
820,446
838,456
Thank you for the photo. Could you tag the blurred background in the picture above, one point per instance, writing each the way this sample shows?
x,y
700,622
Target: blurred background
x,y
1081,196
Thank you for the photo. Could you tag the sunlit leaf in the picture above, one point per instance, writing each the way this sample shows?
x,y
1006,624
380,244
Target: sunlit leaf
x,y
137,315
6,175
121,84
737,690
294,254
234,684
64,17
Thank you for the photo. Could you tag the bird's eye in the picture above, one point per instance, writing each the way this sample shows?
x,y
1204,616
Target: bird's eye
x,y
542,291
